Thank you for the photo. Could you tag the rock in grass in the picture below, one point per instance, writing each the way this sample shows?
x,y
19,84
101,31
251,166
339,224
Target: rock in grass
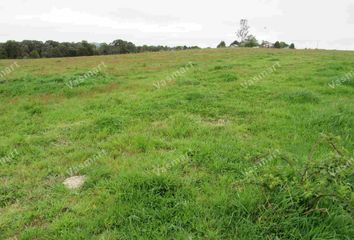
x,y
74,182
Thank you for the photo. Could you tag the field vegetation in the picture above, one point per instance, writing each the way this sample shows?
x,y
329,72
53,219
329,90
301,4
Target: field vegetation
x,y
198,144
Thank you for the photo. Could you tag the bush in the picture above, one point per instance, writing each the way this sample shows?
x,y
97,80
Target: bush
x,y
301,195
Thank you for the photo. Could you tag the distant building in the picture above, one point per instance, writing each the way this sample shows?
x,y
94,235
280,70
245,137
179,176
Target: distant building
x,y
266,44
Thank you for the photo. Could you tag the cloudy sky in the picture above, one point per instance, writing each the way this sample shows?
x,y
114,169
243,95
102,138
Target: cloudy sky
x,y
308,23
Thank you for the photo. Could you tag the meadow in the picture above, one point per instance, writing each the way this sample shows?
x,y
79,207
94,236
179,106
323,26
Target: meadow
x,y
198,144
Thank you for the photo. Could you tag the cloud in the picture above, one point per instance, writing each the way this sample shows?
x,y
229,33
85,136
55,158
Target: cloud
x,y
136,15
77,18
183,22
351,14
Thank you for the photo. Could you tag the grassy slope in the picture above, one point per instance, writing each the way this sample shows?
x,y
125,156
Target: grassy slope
x,y
206,113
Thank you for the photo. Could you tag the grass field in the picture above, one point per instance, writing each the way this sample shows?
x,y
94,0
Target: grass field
x,y
201,144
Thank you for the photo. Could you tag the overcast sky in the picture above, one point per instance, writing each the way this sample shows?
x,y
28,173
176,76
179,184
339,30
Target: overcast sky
x,y
308,23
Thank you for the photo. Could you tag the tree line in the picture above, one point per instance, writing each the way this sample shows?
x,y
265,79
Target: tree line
x,y
49,49
245,39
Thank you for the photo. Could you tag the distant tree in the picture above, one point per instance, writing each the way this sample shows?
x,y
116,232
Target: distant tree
x,y
31,45
52,43
243,32
277,44
65,49
250,41
49,49
3,54
284,45
86,49
292,46
34,54
235,44
123,47
14,49
222,44
104,49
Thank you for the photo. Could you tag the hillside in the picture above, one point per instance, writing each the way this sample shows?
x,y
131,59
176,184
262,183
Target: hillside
x,y
197,144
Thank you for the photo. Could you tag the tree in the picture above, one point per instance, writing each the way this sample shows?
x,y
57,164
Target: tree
x,y
3,54
235,44
86,49
104,49
14,49
67,49
222,44
292,46
250,41
50,49
31,45
283,45
34,54
277,44
243,32
123,47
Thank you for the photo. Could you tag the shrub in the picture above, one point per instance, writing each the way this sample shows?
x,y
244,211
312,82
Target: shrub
x,y
296,195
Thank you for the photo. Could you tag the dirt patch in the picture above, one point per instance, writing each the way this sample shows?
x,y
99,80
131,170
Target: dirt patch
x,y
216,123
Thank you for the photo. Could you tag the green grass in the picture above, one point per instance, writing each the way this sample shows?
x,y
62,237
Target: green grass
x,y
290,132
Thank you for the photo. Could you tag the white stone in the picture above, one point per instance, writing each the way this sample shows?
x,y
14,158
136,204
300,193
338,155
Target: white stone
x,y
74,182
